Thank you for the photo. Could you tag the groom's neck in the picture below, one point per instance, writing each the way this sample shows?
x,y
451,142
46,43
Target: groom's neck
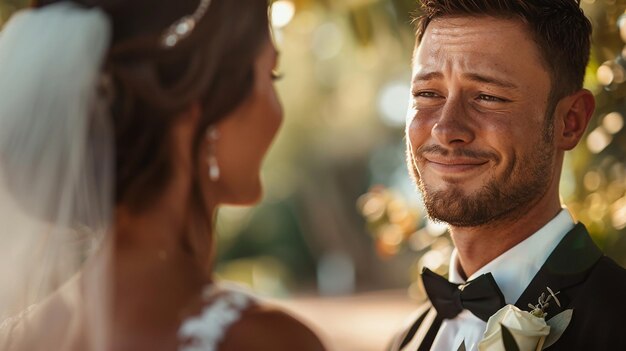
x,y
480,245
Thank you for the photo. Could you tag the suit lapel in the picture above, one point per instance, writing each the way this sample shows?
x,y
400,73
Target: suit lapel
x,y
417,342
566,267
415,321
420,334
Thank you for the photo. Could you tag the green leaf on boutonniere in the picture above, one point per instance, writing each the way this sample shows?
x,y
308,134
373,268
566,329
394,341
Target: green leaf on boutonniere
x,y
558,324
508,340
462,346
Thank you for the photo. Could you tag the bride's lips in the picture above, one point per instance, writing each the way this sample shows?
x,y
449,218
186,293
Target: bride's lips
x,y
454,165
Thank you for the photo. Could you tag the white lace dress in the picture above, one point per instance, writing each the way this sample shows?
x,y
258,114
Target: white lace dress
x,y
224,307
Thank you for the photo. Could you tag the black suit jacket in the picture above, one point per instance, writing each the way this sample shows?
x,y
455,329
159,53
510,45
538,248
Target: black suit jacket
x,y
591,284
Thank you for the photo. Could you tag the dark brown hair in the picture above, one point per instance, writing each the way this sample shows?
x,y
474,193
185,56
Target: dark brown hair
x,y
559,27
152,85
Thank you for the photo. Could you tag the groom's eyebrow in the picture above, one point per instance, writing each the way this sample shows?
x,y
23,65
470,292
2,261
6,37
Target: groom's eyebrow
x,y
427,76
483,78
475,77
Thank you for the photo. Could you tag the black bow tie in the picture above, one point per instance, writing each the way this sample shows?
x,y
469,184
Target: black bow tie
x,y
480,296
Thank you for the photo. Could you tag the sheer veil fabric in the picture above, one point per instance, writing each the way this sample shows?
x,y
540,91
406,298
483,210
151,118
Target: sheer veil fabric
x,y
56,178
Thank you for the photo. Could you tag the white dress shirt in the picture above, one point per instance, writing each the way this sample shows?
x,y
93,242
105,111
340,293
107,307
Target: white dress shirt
x,y
513,271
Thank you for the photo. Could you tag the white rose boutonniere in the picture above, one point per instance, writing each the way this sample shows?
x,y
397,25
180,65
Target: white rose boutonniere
x,y
512,329
529,331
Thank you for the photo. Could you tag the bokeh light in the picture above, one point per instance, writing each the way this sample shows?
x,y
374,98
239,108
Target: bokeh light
x,y
282,12
393,103
598,140
613,122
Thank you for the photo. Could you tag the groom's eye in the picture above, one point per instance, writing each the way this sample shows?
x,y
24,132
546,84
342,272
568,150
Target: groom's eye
x,y
426,94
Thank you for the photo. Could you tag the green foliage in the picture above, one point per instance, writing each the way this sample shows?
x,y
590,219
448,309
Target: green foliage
x,y
594,182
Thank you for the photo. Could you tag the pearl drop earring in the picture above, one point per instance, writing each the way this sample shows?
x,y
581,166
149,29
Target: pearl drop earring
x,y
214,169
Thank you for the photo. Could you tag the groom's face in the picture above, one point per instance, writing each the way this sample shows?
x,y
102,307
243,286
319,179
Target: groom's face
x,y
479,141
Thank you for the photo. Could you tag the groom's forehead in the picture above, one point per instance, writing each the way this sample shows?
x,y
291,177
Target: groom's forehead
x,y
479,43
462,22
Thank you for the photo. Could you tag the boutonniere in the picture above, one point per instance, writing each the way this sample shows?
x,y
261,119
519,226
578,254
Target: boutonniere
x,y
512,329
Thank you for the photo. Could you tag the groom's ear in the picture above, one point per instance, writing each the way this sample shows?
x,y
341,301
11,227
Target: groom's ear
x,y
572,116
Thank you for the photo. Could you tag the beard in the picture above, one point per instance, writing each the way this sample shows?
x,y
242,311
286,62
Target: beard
x,y
504,196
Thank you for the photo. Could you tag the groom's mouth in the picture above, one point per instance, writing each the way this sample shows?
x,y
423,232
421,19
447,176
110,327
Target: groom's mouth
x,y
456,165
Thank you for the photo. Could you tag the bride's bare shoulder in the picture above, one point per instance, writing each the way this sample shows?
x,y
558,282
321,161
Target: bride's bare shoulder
x,y
264,327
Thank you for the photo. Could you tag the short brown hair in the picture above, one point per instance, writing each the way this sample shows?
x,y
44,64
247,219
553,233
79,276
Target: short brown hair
x,y
559,27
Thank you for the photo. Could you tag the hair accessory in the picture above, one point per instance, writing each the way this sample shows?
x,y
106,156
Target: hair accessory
x,y
182,28
214,169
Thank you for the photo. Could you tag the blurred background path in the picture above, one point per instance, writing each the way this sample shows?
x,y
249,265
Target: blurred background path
x,y
362,322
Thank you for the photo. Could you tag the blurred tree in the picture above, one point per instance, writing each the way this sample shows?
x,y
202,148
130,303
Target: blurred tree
x,y
596,187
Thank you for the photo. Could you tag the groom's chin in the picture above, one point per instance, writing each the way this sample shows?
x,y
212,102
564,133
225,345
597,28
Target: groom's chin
x,y
454,208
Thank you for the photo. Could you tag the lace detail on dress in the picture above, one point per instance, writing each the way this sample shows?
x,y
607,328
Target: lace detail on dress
x,y
204,332
12,321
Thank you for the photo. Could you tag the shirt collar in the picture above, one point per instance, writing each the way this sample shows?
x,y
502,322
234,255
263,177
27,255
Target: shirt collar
x,y
514,269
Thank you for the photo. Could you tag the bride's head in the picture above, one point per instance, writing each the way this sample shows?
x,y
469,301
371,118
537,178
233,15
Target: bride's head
x,y
202,107
219,79
189,98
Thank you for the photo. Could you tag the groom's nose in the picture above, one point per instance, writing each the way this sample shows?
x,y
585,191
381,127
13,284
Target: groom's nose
x,y
452,126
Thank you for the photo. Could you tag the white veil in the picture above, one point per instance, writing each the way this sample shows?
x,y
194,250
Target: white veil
x,y
56,170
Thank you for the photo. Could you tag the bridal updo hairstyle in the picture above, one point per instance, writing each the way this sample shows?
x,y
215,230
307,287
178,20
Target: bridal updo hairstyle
x,y
151,85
